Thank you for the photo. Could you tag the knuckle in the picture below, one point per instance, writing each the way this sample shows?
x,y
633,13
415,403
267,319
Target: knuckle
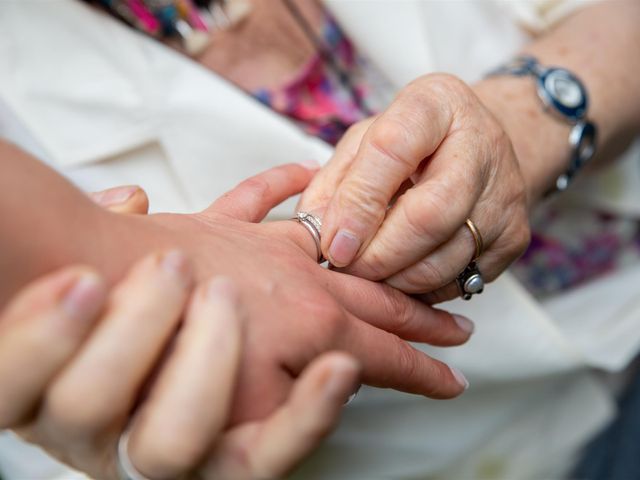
x,y
428,276
448,86
440,79
372,265
448,79
407,361
353,134
390,137
425,215
414,214
258,186
401,309
378,258
370,202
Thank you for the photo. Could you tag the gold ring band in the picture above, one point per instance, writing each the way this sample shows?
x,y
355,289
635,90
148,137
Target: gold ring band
x,y
477,238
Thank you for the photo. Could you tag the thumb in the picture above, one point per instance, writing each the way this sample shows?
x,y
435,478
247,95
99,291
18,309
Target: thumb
x,y
252,199
123,199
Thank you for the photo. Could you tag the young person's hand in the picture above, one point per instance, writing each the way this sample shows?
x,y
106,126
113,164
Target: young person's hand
x,y
80,365
296,309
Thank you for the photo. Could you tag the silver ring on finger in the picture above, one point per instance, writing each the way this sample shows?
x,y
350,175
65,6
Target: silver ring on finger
x,y
126,469
470,281
313,224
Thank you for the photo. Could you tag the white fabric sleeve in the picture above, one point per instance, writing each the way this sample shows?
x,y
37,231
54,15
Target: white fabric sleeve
x,y
538,15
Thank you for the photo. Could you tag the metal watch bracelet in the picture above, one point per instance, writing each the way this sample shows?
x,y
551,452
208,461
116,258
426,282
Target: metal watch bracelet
x,y
565,97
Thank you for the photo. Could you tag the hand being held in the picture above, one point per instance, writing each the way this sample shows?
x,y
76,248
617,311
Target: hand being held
x,y
438,157
296,309
79,365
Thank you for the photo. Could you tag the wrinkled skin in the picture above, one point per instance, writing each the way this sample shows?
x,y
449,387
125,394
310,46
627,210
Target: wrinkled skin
x,y
296,309
438,156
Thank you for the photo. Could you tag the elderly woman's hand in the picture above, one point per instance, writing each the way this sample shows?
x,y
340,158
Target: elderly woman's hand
x,y
397,193
78,366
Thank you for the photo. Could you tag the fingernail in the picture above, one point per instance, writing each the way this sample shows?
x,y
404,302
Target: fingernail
x,y
459,376
115,196
343,370
310,164
83,298
175,263
464,323
344,248
221,287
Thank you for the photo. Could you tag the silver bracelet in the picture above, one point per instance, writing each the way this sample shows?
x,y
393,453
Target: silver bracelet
x,y
565,97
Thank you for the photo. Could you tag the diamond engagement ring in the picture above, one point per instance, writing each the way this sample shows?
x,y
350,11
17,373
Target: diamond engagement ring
x,y
314,226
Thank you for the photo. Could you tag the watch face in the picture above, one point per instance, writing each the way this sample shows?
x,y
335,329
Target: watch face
x,y
564,92
564,89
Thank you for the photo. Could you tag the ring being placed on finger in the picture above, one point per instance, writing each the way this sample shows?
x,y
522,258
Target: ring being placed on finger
x,y
126,469
477,238
313,224
470,281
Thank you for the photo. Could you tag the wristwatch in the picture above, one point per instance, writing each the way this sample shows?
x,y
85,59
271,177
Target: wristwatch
x,y
565,97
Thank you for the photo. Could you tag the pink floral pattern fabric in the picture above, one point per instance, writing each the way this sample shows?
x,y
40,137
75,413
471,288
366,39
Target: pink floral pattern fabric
x,y
317,98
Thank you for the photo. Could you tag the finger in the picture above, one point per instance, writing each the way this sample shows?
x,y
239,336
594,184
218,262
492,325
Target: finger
x,y
270,449
390,362
428,214
317,195
125,199
252,199
308,416
190,401
99,388
439,268
441,295
39,332
491,264
395,312
392,149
